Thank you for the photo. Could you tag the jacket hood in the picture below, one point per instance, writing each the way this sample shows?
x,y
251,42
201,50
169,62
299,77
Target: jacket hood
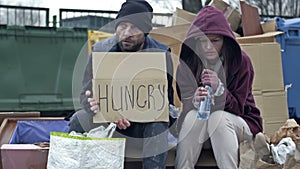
x,y
210,20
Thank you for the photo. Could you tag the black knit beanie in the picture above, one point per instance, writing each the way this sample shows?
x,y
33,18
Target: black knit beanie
x,y
137,12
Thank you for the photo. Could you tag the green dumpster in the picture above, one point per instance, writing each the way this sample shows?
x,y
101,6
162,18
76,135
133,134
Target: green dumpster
x,y
36,67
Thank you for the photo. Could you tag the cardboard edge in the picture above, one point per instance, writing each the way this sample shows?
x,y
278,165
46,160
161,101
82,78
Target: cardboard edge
x,y
264,35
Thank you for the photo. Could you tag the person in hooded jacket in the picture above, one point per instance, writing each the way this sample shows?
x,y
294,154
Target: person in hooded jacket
x,y
210,55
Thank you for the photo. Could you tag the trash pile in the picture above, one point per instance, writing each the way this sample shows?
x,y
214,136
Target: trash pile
x,y
280,151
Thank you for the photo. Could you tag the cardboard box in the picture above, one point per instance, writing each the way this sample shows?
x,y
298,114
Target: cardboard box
x,y
231,14
273,105
250,19
273,108
269,34
173,37
256,31
262,38
132,85
181,17
272,127
16,156
269,26
258,99
267,63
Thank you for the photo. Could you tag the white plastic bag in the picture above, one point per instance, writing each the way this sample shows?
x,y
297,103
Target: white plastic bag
x,y
77,152
102,132
285,147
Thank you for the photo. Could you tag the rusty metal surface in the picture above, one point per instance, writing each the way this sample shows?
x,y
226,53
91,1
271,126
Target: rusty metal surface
x,y
4,115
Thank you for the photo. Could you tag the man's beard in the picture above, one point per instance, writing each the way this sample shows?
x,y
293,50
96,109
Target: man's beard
x,y
136,47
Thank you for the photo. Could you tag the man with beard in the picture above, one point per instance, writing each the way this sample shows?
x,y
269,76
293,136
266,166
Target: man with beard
x,y
133,24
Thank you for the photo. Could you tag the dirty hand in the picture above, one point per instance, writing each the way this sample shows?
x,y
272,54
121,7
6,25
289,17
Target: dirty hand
x,y
199,95
211,78
93,102
122,123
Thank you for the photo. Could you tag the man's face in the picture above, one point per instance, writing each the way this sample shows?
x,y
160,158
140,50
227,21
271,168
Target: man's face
x,y
131,38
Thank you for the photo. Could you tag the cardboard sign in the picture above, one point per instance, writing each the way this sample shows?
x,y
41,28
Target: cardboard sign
x,y
130,85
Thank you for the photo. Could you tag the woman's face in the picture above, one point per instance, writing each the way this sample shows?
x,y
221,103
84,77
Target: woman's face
x,y
210,47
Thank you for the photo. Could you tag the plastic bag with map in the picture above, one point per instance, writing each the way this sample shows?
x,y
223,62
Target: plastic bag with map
x,y
82,152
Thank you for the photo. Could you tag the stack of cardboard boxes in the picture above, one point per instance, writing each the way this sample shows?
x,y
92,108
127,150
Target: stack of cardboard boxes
x,y
259,41
268,86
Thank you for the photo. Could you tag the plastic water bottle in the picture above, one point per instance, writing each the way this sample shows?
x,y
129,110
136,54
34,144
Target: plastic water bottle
x,y
174,111
205,105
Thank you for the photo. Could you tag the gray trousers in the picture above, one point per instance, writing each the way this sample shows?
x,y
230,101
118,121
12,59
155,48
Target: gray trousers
x,y
224,130
143,140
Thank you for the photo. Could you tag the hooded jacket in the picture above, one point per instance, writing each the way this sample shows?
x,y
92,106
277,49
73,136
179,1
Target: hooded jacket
x,y
237,97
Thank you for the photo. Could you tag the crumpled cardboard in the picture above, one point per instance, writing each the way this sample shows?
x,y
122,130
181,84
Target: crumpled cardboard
x,y
250,157
289,129
290,163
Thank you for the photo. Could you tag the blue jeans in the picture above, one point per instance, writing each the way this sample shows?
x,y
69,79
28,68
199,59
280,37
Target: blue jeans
x,y
149,138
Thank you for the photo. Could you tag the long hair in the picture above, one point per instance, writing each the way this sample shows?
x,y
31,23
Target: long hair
x,y
196,65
